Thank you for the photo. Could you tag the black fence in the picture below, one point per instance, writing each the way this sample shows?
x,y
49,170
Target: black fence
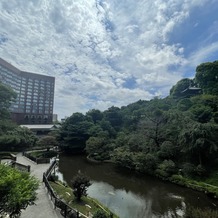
x,y
36,160
65,209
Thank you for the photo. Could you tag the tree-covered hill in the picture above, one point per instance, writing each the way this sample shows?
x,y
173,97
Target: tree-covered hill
x,y
174,135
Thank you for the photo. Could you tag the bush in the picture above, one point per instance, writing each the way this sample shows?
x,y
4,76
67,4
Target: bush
x,y
146,163
166,168
43,154
178,179
53,178
167,150
80,184
100,214
188,169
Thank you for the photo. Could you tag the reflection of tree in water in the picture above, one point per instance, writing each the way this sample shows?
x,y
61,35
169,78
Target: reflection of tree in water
x,y
140,197
145,211
165,204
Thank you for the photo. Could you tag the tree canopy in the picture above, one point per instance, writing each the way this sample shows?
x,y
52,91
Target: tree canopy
x,y
80,183
207,77
7,95
17,191
161,136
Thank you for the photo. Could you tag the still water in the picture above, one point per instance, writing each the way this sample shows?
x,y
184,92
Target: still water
x,y
132,196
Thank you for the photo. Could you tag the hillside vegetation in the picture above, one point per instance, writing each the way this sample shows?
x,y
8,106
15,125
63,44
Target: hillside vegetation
x,y
175,138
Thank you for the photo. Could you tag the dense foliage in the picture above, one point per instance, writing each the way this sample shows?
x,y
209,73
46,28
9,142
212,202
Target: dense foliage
x,y
17,191
175,135
80,184
17,139
100,214
7,95
12,137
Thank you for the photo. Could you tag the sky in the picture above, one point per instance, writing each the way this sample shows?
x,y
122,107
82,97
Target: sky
x,y
106,53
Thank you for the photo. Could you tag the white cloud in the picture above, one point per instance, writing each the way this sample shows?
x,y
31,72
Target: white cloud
x,y
92,47
202,54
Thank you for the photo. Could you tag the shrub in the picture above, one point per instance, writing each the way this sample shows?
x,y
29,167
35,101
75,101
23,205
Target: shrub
x,y
80,183
147,163
188,169
100,214
53,178
166,168
178,179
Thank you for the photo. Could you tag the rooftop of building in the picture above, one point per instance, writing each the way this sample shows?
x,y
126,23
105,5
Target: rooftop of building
x,y
16,70
41,126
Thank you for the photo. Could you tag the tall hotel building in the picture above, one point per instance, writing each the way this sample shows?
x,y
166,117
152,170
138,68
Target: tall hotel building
x,y
35,95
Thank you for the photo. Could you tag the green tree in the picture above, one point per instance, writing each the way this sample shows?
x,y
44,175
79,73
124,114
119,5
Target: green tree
x,y
75,132
96,115
47,141
200,142
202,114
168,150
17,139
146,163
136,142
80,183
6,125
7,95
176,90
107,127
153,127
17,191
207,77
99,147
184,104
114,116
166,168
123,158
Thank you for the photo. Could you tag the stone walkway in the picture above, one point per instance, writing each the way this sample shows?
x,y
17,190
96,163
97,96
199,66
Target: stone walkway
x,y
44,207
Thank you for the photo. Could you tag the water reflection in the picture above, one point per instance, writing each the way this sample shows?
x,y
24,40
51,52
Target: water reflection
x,y
129,195
122,203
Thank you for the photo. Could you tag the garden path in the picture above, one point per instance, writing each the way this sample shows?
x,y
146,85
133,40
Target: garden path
x,y
43,207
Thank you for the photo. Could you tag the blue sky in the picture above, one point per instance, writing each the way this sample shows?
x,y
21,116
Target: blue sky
x,y
107,53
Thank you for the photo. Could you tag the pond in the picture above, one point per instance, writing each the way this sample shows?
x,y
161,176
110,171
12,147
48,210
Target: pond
x,y
130,195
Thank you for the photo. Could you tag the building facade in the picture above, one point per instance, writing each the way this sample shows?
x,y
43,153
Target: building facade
x,y
35,94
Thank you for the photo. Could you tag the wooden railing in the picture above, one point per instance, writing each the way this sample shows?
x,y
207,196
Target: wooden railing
x,y
65,209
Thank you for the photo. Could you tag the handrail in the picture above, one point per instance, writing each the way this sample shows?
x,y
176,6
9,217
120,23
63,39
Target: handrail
x,y
66,210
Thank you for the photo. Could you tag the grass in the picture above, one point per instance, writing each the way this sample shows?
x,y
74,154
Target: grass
x,y
213,178
86,204
43,154
203,186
